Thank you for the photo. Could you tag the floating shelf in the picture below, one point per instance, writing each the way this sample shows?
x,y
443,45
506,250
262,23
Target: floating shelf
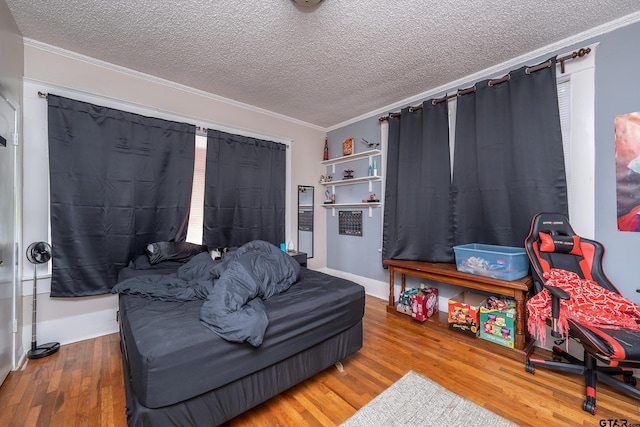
x,y
371,205
352,205
351,181
356,156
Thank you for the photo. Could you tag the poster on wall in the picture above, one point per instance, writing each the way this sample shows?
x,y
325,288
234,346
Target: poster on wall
x,y
627,131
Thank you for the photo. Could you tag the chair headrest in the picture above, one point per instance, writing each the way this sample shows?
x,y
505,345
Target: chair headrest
x,y
551,223
560,244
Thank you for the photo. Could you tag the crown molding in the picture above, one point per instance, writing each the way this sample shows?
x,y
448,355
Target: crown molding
x,y
158,80
496,69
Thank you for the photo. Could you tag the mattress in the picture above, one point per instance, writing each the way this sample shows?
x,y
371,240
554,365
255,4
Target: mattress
x,y
172,357
220,405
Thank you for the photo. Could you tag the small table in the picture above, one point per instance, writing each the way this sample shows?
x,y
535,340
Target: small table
x,y
447,273
301,257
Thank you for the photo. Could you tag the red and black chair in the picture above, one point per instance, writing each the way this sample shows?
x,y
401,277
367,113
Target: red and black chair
x,y
609,354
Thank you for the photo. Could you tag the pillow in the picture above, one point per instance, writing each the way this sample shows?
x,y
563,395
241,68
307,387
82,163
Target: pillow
x,y
560,244
142,263
172,251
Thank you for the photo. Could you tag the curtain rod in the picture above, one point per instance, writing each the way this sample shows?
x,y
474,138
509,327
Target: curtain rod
x,y
576,54
198,128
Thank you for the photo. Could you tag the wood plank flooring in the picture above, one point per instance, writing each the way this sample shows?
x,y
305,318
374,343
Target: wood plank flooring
x,y
82,384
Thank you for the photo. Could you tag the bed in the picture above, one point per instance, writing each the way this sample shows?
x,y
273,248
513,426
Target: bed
x,y
179,372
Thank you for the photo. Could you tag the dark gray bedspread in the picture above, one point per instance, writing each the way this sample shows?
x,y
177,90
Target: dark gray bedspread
x,y
234,288
172,357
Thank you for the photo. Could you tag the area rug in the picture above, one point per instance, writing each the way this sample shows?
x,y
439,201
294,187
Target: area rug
x,y
414,400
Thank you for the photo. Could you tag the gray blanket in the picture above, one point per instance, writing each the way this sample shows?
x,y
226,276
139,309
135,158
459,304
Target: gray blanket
x,y
233,288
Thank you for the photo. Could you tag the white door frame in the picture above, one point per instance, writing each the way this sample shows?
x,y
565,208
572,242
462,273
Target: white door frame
x,y
11,258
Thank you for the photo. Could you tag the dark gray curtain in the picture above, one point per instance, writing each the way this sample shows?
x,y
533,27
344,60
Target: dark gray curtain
x,y
417,211
118,181
244,190
508,162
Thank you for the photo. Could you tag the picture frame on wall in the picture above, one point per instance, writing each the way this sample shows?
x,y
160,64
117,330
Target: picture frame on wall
x,y
347,147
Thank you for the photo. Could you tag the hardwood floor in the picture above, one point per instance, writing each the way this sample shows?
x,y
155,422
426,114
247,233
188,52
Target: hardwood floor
x,y
82,384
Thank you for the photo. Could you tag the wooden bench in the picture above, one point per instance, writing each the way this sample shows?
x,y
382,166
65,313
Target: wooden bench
x,y
447,273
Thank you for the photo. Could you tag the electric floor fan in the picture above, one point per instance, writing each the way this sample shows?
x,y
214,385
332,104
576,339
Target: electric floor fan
x,y
39,253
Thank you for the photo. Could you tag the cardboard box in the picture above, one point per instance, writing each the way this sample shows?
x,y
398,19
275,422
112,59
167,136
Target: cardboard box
x,y
403,308
497,320
424,304
464,312
404,301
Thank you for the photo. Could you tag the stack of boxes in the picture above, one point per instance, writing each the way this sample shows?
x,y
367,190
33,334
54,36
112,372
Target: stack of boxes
x,y
493,318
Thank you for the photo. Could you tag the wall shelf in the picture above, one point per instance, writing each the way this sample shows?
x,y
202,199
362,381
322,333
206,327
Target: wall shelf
x,y
352,181
355,156
364,155
333,206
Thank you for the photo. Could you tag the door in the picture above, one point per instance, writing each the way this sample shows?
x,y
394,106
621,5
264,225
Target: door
x,y
8,267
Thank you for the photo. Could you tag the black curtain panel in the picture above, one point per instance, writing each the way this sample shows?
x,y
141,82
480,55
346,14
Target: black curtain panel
x,y
244,190
508,162
417,211
118,181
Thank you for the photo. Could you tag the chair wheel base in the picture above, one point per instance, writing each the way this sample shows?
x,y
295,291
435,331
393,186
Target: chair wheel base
x,y
630,379
590,407
530,368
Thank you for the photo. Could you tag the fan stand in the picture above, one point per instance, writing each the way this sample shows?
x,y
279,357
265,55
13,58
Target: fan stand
x,y
42,350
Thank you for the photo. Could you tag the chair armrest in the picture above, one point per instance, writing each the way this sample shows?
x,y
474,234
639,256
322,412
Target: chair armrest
x,y
557,292
556,295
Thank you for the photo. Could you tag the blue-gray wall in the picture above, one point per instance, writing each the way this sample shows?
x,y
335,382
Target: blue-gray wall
x,y
355,254
617,91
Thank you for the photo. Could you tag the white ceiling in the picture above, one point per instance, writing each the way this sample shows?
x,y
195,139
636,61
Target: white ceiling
x,y
324,65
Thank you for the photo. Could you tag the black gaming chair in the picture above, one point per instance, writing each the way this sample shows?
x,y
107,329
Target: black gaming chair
x,y
607,352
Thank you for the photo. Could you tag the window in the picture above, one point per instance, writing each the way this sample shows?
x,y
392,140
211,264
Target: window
x,y
576,100
196,213
564,104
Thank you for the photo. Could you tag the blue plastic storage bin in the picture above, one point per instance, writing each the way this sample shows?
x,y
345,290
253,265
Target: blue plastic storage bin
x,y
500,262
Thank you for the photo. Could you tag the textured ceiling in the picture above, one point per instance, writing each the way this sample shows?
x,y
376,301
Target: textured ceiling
x,y
323,65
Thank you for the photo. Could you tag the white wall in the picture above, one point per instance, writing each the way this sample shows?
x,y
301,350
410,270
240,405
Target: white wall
x,y
64,73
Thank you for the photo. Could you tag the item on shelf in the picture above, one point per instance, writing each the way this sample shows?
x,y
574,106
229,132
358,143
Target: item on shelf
x,y
347,147
424,304
371,145
370,173
348,174
404,301
373,198
500,262
464,312
328,198
497,321
375,168
325,178
326,149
